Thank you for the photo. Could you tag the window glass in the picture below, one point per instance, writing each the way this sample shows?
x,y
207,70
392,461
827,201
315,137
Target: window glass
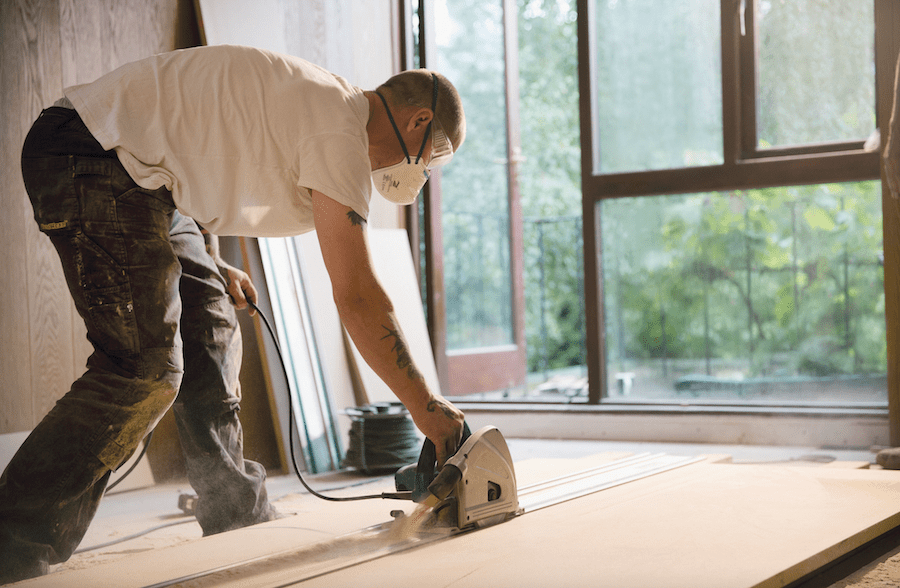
x,y
658,89
549,175
816,71
474,187
769,294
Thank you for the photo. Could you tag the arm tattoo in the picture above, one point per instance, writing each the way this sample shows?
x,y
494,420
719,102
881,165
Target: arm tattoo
x,y
435,405
404,361
356,219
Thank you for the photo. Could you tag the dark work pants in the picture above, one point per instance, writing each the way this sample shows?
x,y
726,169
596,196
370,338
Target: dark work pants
x,y
163,331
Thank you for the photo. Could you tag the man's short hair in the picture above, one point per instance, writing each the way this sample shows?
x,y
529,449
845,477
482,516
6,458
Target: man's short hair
x,y
416,87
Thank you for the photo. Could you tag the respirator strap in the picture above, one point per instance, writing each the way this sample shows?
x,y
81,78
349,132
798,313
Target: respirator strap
x,y
393,124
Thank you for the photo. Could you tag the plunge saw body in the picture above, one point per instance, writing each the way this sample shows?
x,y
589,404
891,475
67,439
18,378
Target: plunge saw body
x,y
476,487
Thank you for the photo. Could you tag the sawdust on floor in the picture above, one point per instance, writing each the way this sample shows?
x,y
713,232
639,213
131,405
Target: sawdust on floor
x,y
882,573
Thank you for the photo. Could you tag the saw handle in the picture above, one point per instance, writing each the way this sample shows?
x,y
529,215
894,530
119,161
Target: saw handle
x,y
425,470
445,481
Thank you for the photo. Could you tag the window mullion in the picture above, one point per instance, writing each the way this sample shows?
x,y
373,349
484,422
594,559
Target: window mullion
x,y
748,78
731,96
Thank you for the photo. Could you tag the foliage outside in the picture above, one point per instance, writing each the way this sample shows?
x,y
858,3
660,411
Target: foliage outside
x,y
774,282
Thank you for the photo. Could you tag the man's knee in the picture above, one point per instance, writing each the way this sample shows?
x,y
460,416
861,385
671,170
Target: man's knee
x,y
140,407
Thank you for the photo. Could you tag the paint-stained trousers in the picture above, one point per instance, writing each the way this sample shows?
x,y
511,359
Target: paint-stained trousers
x,y
163,331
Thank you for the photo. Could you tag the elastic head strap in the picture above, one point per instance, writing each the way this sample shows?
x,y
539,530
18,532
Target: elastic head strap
x,y
434,94
393,124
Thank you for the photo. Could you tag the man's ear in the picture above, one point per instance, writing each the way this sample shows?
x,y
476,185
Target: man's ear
x,y
420,119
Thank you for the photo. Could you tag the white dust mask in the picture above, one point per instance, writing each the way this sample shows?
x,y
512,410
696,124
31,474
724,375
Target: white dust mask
x,y
401,183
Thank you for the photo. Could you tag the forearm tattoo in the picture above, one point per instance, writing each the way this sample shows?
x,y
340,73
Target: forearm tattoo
x,y
404,360
356,219
436,405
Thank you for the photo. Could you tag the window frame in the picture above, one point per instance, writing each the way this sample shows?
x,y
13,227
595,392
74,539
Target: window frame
x,y
744,167
471,370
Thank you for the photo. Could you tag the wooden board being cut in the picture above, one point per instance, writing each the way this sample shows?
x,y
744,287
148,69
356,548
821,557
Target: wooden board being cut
x,y
707,524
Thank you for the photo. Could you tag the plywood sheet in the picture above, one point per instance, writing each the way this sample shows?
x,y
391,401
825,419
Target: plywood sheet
x,y
706,524
315,522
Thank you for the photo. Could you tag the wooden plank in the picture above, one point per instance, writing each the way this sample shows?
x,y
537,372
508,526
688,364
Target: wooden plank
x,y
705,525
79,24
49,306
81,40
134,29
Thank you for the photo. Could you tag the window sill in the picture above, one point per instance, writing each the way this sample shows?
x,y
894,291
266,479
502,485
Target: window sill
x,y
848,426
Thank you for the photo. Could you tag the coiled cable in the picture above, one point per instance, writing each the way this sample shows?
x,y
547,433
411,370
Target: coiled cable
x,y
383,438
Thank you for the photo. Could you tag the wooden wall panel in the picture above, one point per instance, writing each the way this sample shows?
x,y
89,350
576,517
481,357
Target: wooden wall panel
x,y
15,360
46,45
40,341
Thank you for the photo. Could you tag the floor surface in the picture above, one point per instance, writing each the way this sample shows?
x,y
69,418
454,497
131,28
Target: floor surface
x,y
138,521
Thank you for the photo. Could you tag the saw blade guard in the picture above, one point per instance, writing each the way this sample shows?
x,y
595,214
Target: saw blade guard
x,y
487,487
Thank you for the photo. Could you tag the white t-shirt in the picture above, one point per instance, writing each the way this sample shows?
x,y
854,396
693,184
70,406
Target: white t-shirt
x,y
239,135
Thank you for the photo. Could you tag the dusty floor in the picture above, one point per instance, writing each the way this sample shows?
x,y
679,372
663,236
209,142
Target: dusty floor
x,y
134,521
882,573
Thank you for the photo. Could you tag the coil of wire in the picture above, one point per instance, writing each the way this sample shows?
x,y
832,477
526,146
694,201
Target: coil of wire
x,y
383,438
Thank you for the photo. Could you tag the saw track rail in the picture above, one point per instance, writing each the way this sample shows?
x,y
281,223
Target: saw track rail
x,y
616,473
292,567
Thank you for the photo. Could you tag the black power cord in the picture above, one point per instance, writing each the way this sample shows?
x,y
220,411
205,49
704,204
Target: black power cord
x,y
134,465
383,495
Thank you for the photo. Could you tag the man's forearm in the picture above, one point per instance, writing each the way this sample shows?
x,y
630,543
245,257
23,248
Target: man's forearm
x,y
369,318
374,328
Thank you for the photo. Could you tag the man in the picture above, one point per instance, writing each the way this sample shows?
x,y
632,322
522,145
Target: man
x,y
122,173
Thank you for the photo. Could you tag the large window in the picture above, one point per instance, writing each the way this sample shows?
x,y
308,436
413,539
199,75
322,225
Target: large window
x,y
675,199
739,226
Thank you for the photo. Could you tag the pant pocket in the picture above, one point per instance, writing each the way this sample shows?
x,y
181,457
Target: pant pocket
x,y
55,205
